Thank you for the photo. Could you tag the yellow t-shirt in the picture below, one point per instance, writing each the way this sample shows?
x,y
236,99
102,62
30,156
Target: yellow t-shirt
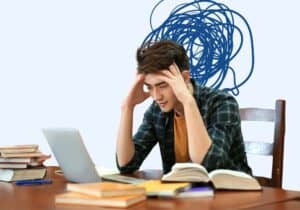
x,y
180,139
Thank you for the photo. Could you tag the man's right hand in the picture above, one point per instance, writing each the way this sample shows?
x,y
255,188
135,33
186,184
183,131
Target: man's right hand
x,y
136,94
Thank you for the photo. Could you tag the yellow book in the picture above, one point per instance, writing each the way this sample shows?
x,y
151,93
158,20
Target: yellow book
x,y
157,188
106,189
82,199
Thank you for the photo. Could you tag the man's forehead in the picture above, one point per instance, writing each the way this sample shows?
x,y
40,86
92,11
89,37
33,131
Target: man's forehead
x,y
152,79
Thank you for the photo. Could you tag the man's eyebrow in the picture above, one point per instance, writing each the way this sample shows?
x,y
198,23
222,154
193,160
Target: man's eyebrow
x,y
157,84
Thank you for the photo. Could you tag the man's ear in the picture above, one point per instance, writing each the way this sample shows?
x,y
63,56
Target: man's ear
x,y
186,75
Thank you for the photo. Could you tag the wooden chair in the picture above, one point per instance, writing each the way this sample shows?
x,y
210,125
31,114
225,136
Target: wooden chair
x,y
274,149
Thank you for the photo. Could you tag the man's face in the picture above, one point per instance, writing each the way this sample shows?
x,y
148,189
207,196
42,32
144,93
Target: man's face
x,y
161,92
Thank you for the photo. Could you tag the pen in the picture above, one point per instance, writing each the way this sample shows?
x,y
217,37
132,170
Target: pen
x,y
34,182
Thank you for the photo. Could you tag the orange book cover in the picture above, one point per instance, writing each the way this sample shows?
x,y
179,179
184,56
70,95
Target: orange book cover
x,y
82,199
105,189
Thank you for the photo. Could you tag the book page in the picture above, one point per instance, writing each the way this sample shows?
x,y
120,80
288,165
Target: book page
x,y
187,172
229,172
233,180
184,166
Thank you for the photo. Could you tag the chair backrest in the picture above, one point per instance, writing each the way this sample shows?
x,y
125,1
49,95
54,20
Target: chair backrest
x,y
274,149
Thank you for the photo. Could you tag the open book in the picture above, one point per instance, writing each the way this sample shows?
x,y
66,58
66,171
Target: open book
x,y
220,178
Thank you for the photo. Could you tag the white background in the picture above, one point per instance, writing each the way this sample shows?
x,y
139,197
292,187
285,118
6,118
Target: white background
x,y
70,64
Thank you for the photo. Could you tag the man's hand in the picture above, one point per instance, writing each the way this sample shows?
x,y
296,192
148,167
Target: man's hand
x,y
136,94
199,141
175,79
125,147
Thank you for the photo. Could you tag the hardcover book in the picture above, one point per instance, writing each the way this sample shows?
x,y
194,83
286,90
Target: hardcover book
x,y
82,199
16,160
9,175
157,188
13,165
106,189
18,148
220,178
196,192
21,154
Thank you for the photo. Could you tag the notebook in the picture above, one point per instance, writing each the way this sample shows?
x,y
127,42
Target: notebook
x,y
71,154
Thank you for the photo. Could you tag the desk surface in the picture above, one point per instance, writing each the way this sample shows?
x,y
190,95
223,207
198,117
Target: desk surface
x,y
14,197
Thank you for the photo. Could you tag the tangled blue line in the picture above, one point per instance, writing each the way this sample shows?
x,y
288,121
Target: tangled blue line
x,y
205,28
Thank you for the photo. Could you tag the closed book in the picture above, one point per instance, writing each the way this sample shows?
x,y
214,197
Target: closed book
x,y
9,175
196,192
22,154
13,165
220,178
157,188
106,189
25,150
18,148
74,198
16,160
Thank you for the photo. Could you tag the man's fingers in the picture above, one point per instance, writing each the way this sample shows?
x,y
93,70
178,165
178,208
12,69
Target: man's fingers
x,y
139,79
174,69
162,76
167,73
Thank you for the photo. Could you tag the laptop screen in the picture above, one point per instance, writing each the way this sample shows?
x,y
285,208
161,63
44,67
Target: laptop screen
x,y
71,154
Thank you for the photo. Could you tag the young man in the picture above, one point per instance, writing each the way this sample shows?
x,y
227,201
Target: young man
x,y
191,123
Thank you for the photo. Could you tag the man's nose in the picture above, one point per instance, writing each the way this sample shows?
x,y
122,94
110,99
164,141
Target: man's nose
x,y
156,94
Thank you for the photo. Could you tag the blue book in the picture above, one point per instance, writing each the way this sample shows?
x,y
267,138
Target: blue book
x,y
198,191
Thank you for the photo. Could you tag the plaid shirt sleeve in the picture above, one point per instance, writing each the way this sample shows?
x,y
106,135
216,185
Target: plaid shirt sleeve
x,y
144,140
224,127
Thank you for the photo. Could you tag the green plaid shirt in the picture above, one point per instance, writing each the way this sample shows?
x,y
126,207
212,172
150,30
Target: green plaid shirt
x,y
220,113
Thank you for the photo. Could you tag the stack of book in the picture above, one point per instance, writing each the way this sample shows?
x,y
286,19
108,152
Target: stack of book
x,y
20,162
107,194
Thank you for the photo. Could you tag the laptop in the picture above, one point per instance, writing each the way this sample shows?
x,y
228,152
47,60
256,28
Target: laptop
x,y
74,160
71,154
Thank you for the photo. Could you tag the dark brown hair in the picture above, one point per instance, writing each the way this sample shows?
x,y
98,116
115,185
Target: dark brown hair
x,y
156,56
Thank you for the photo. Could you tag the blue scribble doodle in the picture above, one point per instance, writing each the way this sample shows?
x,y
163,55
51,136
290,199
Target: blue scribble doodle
x,y
212,39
